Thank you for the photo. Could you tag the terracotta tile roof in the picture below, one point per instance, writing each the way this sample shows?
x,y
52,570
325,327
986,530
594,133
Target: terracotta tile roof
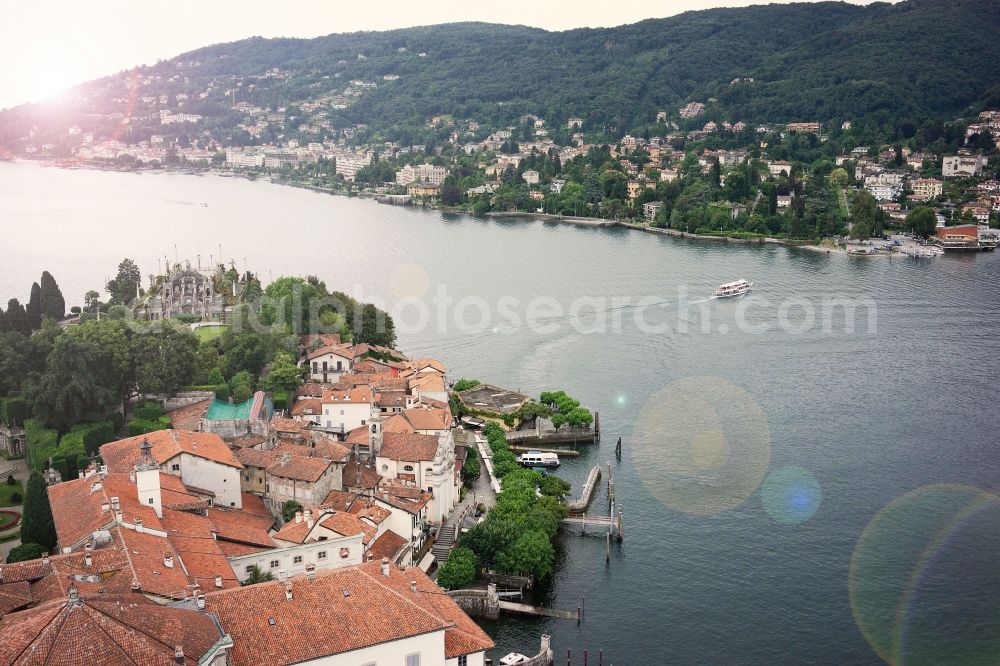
x,y
387,545
189,416
279,424
356,396
14,596
254,505
427,382
384,381
299,468
102,630
237,525
346,523
387,399
408,447
356,475
305,407
426,363
293,532
145,553
337,350
328,447
339,500
78,509
256,457
312,389
310,339
428,419
233,549
121,456
360,435
398,497
397,423
320,620
249,441
371,511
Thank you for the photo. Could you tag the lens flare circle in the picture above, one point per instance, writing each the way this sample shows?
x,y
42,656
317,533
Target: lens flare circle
x,y
702,445
924,575
791,495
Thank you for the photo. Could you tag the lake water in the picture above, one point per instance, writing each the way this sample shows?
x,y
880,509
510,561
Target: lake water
x,y
756,464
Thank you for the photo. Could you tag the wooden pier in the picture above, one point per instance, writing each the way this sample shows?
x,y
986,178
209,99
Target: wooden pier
x,y
611,524
568,453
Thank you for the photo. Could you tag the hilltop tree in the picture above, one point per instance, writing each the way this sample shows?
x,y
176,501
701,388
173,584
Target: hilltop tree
x,y
16,319
241,387
163,361
37,525
125,284
52,302
283,375
34,307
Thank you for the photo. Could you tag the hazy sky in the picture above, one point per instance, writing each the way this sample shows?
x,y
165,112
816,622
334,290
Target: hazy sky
x,y
47,45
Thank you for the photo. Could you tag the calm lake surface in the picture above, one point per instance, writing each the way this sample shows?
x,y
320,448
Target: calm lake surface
x,y
753,461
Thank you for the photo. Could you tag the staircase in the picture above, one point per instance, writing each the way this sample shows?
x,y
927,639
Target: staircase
x,y
444,543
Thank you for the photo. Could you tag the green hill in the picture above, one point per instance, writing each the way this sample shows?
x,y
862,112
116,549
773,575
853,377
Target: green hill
x,y
813,61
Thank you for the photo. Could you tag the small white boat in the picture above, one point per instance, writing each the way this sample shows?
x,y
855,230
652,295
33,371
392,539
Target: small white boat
x,y
737,288
538,459
513,659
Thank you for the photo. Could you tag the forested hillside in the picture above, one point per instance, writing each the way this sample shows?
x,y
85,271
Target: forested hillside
x,y
811,61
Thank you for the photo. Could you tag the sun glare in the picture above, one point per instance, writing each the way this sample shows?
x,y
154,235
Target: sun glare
x,y
48,80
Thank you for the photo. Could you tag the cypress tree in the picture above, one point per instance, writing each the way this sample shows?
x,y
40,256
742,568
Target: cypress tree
x,y
52,301
3,322
17,318
37,525
34,307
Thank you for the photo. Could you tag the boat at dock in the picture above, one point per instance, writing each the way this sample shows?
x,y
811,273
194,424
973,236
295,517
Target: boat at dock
x,y
539,459
738,288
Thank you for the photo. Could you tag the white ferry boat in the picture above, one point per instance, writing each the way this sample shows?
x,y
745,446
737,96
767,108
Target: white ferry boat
x,y
538,459
737,288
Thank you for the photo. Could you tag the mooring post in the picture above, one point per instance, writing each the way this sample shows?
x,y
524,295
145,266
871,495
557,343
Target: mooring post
x,y
583,605
600,657
579,615
585,657
620,535
569,657
584,522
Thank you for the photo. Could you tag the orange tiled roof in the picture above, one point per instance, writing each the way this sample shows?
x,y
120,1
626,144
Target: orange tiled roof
x,y
121,456
387,545
339,500
262,621
408,447
397,423
121,630
336,350
299,468
14,596
360,435
189,416
307,407
279,424
238,525
256,457
356,475
145,553
428,419
356,396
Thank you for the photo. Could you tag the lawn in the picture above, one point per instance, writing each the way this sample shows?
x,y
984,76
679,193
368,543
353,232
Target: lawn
x,y
206,333
7,519
6,491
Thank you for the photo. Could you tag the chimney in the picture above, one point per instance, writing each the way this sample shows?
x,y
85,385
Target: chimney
x,y
168,560
298,516
413,586
218,581
116,504
45,558
1,574
309,520
135,585
138,524
131,476
310,571
385,567
200,601
179,654
288,591
281,574
74,595
88,559
370,557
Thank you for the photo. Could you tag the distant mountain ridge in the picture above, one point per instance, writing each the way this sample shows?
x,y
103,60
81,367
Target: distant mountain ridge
x,y
808,61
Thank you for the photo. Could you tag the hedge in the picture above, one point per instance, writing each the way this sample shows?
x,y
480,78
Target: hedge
x,y
148,410
41,442
13,411
142,426
280,400
95,434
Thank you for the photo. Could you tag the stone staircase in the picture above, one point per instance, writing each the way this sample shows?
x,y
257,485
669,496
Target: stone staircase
x,y
445,542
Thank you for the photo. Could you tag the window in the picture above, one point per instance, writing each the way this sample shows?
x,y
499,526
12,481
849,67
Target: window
x,y
407,468
249,568
413,659
321,555
345,553
274,564
463,660
246,476
385,468
297,559
175,467
150,500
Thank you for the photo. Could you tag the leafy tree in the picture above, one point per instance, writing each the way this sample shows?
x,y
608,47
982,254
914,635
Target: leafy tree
x,y
554,486
37,525
374,327
288,510
839,177
125,284
16,319
163,360
921,221
34,307
241,386
471,468
459,570
258,576
53,305
531,410
531,553
283,375
25,552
